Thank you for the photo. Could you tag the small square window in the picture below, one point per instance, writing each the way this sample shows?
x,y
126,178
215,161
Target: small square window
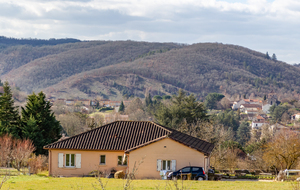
x,y
102,160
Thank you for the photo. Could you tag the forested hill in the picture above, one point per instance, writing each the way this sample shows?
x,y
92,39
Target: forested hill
x,y
111,69
5,41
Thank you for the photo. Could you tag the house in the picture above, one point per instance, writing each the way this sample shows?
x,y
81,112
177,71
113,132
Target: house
x,y
253,101
257,124
258,121
70,102
120,145
236,105
272,99
250,108
103,102
259,118
85,102
296,117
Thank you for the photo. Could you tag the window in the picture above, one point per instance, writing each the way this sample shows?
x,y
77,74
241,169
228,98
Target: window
x,y
70,160
102,160
186,170
122,160
169,165
166,165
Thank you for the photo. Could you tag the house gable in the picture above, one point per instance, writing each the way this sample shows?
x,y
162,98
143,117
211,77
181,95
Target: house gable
x,y
165,149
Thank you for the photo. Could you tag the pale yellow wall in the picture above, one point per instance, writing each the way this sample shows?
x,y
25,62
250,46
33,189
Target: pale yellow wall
x,y
89,161
183,155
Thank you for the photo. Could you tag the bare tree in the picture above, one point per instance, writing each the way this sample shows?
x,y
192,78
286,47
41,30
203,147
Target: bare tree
x,y
5,149
283,150
72,123
4,179
21,151
225,103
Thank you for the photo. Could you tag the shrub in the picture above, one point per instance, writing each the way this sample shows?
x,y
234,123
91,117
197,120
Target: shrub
x,y
37,163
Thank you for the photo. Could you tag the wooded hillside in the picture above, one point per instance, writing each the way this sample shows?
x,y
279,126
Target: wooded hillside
x,y
114,68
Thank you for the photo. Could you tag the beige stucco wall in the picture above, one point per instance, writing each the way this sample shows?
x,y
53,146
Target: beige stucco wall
x,y
165,149
90,160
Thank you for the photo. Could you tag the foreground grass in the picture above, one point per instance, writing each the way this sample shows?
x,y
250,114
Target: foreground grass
x,y
37,182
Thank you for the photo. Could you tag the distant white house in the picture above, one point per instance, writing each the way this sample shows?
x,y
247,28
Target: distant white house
x,y
257,124
258,121
296,117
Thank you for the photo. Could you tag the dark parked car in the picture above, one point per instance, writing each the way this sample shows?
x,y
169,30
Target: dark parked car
x,y
196,173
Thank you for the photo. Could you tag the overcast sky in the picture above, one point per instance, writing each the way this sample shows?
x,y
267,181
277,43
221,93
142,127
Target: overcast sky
x,y
261,25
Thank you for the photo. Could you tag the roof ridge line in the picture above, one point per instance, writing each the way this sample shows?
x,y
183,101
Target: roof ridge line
x,y
144,144
79,134
163,127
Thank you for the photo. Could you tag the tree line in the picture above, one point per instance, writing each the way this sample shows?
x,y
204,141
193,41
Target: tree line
x,y
237,145
35,121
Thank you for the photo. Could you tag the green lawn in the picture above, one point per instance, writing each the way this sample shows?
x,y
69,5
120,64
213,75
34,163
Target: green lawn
x,y
40,182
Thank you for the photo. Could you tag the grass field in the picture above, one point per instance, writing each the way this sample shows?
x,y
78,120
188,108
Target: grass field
x,y
41,182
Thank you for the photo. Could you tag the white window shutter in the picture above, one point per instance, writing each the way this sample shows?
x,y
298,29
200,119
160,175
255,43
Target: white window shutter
x,y
173,165
60,160
158,165
78,160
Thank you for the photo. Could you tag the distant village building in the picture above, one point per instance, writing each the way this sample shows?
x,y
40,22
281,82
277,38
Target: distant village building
x,y
296,117
272,99
250,108
258,122
236,105
70,102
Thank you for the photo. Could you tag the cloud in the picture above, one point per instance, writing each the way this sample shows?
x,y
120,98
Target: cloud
x,y
262,25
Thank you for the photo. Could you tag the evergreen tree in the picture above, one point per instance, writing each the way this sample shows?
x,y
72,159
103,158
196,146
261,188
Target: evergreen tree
x,y
39,123
182,109
243,133
9,116
148,100
267,55
265,97
212,99
274,58
122,107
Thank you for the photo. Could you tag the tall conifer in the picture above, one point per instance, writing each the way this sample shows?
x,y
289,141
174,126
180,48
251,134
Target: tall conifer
x,y
122,107
9,116
39,123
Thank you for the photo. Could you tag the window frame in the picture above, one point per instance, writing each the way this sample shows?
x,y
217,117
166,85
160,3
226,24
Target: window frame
x,y
166,165
104,160
120,161
70,161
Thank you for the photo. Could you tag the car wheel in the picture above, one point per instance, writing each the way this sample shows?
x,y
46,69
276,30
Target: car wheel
x,y
200,179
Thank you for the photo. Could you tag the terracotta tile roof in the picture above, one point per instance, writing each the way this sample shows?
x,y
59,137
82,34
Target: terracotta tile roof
x,y
252,100
259,117
127,136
